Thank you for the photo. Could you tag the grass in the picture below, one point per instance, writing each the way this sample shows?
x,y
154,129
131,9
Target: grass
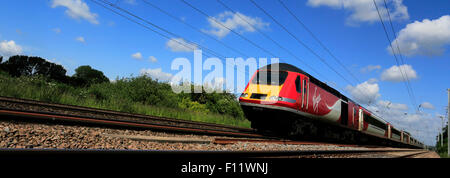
x,y
442,149
38,88
443,155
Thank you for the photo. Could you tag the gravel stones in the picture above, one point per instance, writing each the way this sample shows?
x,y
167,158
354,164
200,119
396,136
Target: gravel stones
x,y
16,134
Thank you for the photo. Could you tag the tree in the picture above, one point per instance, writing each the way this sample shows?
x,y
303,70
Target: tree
x,y
28,66
1,65
90,75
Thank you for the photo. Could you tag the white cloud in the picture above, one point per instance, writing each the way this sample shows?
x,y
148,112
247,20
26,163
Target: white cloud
x,y
80,39
426,38
427,105
370,68
9,48
156,74
137,55
394,74
234,21
152,59
421,125
364,10
180,45
366,92
77,9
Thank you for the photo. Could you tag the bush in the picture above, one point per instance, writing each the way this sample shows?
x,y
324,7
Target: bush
x,y
143,95
89,76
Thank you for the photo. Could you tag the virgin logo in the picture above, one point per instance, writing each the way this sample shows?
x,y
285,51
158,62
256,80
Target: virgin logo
x,y
316,99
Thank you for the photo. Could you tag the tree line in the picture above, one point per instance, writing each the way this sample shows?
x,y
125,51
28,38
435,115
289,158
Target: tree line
x,y
141,89
20,65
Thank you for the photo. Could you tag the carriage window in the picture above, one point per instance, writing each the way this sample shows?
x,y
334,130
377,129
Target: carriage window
x,y
374,122
297,85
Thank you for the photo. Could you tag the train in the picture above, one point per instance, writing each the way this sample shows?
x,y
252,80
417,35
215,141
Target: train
x,y
283,99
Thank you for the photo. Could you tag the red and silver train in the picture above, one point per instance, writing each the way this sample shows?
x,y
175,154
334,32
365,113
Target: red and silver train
x,y
284,99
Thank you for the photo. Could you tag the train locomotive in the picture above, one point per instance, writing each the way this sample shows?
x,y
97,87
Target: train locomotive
x,y
283,99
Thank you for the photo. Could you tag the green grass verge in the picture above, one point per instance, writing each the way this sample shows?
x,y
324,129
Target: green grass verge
x,y
38,88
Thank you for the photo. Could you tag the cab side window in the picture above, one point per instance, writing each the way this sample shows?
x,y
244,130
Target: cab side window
x,y
304,87
297,85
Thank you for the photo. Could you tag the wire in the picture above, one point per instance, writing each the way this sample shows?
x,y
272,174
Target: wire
x,y
221,24
212,18
271,39
194,28
395,56
317,39
400,53
307,47
280,46
160,28
139,23
299,41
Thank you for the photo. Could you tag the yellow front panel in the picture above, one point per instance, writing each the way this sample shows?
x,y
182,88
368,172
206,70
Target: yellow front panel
x,y
269,90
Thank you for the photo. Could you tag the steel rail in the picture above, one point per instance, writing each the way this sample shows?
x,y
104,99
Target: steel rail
x,y
202,154
117,113
84,119
224,141
412,155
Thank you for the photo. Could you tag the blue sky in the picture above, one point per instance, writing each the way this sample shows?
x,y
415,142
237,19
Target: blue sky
x,y
80,32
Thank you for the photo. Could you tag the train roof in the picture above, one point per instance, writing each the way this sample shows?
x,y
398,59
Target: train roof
x,y
283,66
291,68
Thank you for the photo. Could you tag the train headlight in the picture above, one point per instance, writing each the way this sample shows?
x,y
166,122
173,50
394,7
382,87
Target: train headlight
x,y
244,95
275,98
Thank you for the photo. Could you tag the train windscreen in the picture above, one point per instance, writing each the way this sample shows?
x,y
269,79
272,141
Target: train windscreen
x,y
269,77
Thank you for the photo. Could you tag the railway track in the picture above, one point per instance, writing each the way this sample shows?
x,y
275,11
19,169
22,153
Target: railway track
x,y
225,141
414,154
371,153
30,110
37,110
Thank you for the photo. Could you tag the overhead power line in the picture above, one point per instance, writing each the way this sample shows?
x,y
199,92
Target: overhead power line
x,y
221,24
271,39
395,56
105,4
399,52
208,35
236,33
239,35
193,27
414,103
318,41
162,29
280,46
307,47
298,40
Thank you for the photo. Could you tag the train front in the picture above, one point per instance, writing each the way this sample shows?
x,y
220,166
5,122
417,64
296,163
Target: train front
x,y
269,98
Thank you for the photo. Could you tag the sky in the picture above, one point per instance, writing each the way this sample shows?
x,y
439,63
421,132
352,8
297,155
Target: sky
x,y
81,32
